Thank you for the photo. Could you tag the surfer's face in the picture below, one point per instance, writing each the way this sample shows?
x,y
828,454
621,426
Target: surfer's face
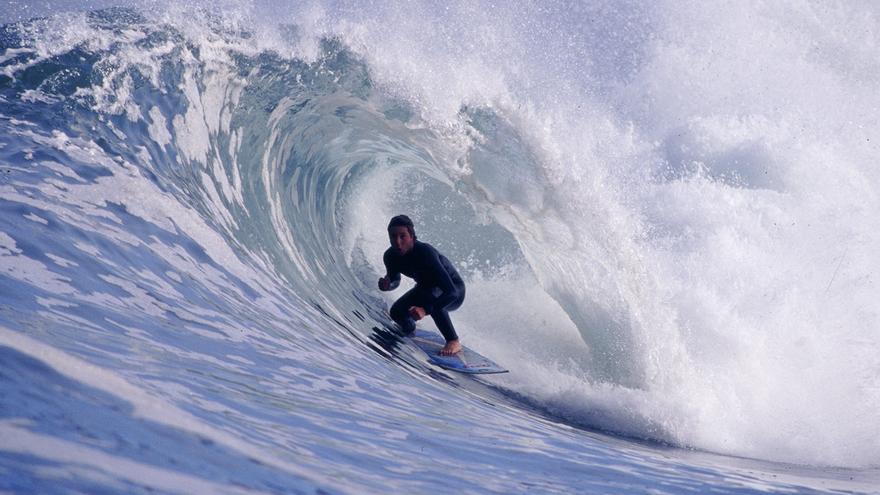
x,y
401,239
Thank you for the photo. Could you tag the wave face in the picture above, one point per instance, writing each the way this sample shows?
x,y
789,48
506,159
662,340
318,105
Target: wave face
x,y
665,215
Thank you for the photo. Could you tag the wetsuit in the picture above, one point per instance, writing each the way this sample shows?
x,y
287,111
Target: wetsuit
x,y
439,288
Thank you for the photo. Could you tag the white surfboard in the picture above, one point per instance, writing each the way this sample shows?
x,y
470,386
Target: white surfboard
x,y
466,361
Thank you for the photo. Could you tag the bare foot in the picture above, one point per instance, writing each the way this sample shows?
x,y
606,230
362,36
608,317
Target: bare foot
x,y
451,348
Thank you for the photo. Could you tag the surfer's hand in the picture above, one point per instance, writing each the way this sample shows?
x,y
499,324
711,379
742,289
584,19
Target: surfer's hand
x,y
384,284
417,313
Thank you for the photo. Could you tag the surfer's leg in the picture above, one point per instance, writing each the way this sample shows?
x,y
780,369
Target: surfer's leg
x,y
442,320
400,311
444,324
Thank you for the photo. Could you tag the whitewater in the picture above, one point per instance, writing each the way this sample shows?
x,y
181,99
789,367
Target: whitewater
x,y
666,215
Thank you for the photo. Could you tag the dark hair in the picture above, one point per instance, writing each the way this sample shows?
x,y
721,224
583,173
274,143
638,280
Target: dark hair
x,y
403,221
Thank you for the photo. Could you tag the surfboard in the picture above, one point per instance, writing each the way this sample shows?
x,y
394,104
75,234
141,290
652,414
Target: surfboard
x,y
466,361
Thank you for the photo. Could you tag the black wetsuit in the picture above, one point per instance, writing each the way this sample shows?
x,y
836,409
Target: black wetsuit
x,y
439,288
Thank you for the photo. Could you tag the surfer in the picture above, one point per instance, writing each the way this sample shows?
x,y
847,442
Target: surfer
x,y
439,288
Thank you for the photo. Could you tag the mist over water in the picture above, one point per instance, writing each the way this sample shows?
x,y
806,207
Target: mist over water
x,y
665,215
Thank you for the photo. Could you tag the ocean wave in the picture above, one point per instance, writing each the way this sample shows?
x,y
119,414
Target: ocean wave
x,y
678,248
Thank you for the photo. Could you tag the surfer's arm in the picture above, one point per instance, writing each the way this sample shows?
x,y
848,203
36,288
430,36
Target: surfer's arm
x,y
392,277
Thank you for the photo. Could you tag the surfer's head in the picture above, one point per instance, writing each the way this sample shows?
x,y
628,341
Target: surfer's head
x,y
401,233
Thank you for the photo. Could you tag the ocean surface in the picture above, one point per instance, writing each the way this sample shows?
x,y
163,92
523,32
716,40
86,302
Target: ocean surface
x,y
666,214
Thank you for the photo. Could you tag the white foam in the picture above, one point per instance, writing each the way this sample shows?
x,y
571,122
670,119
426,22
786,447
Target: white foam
x,y
158,127
8,245
14,264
